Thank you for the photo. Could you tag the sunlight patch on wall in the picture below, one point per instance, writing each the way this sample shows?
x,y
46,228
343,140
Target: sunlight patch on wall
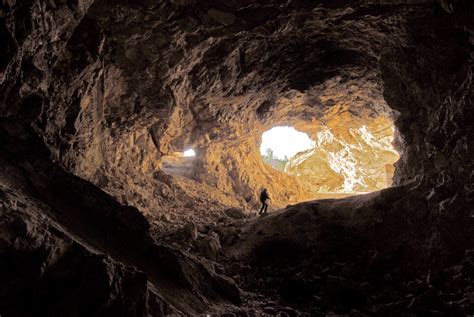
x,y
362,163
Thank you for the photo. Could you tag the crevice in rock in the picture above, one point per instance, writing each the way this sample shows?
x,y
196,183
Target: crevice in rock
x,y
9,46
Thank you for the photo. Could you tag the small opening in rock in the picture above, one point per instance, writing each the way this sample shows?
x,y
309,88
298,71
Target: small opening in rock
x,y
189,153
179,163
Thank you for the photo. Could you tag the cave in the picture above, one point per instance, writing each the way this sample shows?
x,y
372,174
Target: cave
x,y
341,158
131,166
281,144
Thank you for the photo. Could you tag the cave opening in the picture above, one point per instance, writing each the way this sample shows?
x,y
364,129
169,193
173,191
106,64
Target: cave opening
x,y
343,156
281,143
189,153
179,163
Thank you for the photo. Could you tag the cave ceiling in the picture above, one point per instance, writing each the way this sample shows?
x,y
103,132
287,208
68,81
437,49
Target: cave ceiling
x,y
99,98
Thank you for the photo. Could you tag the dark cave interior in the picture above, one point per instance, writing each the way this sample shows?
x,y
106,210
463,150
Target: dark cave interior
x,y
103,215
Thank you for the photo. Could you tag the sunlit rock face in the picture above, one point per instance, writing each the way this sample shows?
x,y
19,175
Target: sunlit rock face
x,y
350,155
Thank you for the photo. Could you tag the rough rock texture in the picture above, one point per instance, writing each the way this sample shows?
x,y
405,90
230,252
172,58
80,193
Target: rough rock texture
x,y
40,261
116,95
57,225
350,155
93,95
366,255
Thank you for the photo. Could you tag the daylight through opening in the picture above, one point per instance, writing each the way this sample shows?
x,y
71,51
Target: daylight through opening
x,y
179,163
280,144
189,153
340,158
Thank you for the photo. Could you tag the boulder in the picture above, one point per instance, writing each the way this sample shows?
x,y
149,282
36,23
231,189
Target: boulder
x,y
190,231
236,213
210,245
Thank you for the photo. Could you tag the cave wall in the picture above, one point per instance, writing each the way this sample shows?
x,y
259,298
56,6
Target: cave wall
x,y
110,97
68,247
99,90
434,95
351,154
432,90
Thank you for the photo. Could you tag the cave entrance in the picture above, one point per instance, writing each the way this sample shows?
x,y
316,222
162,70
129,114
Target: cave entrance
x,y
282,143
341,157
179,163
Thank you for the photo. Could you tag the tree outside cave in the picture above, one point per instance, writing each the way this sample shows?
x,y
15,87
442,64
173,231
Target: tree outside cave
x,y
277,163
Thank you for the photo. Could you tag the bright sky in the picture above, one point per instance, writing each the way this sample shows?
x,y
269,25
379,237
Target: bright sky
x,y
189,153
285,141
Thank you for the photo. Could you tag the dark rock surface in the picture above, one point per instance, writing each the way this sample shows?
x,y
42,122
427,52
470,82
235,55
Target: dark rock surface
x,y
354,254
56,226
94,93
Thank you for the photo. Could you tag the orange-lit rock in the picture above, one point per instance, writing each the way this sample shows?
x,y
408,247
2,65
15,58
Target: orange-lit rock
x,y
351,155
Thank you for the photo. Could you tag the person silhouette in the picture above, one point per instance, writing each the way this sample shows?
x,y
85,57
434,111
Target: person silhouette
x,y
263,199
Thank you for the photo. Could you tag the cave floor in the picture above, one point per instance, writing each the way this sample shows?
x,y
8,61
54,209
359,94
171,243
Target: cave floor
x,y
316,259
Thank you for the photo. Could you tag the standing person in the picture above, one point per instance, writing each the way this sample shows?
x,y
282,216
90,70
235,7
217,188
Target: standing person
x,y
263,199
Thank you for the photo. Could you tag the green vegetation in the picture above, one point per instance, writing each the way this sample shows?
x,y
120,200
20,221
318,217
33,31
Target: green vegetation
x,y
269,158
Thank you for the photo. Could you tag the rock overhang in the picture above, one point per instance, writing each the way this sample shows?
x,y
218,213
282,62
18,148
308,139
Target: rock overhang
x,y
155,78
217,86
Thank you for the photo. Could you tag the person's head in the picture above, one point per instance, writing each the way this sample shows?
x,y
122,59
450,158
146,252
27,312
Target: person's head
x,y
264,189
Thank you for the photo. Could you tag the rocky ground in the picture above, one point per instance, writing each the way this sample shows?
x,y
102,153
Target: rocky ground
x,y
300,261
